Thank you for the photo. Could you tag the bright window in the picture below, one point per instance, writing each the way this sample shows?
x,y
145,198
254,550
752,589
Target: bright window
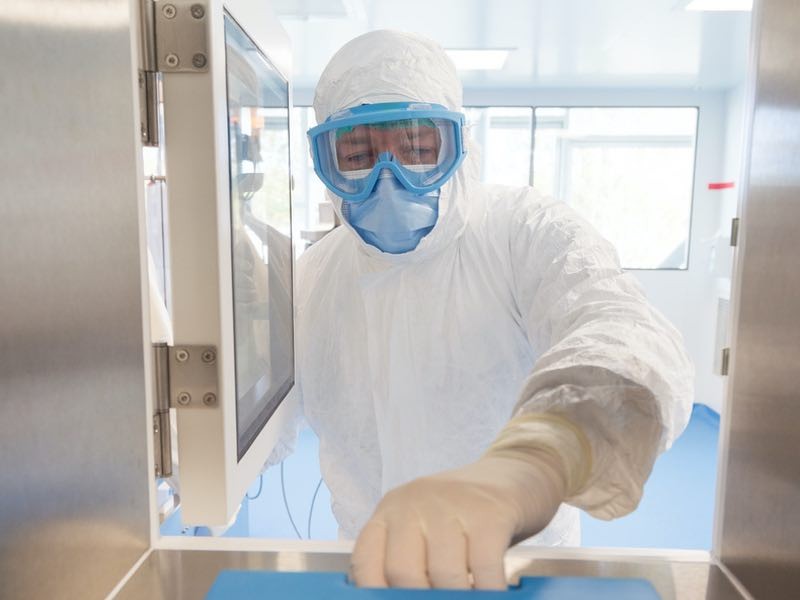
x,y
628,171
504,135
311,210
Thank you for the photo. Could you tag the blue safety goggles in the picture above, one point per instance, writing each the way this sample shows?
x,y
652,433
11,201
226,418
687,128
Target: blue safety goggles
x,y
422,144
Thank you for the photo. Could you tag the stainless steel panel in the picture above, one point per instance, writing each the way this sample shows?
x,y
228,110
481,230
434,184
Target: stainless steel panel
x,y
188,574
759,538
73,457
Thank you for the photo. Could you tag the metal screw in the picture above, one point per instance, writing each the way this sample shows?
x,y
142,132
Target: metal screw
x,y
172,60
209,356
199,60
169,11
210,399
198,12
184,398
182,355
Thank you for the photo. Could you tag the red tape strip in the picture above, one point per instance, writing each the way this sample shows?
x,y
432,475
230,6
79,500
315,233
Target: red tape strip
x,y
722,185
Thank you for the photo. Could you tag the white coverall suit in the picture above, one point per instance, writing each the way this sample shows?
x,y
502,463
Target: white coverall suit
x,y
411,364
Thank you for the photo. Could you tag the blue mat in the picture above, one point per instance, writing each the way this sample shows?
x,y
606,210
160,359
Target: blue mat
x,y
252,585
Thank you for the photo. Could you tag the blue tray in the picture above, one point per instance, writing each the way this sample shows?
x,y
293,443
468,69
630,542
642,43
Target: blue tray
x,y
272,585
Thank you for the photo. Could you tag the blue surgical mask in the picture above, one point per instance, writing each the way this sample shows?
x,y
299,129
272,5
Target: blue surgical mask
x,y
391,218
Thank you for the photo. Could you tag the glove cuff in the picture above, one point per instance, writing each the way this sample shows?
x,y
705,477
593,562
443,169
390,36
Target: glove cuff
x,y
527,436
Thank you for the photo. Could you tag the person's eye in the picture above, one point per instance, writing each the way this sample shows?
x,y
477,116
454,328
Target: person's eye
x,y
357,159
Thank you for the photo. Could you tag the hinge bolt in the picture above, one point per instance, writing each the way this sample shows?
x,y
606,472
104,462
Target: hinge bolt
x,y
210,399
209,356
198,12
169,11
184,398
199,60
182,355
172,60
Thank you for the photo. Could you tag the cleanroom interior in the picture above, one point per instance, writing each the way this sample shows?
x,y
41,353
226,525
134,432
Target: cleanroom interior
x,y
631,112
130,464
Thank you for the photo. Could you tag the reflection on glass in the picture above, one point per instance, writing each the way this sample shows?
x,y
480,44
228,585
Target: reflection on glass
x,y
258,136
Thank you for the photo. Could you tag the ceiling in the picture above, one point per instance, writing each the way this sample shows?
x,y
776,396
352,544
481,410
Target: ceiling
x,y
557,43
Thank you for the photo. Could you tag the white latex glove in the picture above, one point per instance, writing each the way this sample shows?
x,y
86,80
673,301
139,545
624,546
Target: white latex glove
x,y
451,530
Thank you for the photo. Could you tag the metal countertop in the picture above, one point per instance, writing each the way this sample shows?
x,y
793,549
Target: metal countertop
x,y
183,574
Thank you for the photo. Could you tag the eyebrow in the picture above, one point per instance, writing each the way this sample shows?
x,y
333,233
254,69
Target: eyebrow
x,y
413,135
350,139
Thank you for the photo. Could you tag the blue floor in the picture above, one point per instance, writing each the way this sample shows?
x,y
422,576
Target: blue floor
x,y
264,513
676,511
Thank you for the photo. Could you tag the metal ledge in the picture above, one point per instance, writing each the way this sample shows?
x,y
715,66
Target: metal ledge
x,y
188,574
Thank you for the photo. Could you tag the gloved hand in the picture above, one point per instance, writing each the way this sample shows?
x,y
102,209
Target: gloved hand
x,y
451,530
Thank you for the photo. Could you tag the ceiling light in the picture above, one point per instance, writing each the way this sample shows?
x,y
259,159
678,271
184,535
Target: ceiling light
x,y
479,59
720,5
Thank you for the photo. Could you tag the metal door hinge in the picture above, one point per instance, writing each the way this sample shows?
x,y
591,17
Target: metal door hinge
x,y
148,77
193,377
181,36
185,378
735,231
162,432
148,107
726,359
174,40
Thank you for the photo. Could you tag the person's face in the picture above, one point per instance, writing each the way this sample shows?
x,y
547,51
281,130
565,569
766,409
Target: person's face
x,y
413,144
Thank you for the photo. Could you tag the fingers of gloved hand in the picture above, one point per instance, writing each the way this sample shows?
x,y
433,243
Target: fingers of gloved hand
x,y
485,554
446,545
406,565
367,561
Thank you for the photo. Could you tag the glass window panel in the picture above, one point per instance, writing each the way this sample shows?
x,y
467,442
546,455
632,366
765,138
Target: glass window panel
x,y
156,211
312,209
550,124
258,135
504,135
629,171
632,121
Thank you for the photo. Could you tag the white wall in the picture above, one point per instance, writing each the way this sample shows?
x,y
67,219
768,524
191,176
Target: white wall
x,y
689,298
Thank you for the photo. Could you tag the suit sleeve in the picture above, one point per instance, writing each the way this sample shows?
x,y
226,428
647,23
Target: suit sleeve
x,y
608,361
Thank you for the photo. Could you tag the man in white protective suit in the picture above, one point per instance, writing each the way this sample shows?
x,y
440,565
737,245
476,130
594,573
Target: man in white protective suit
x,y
474,361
